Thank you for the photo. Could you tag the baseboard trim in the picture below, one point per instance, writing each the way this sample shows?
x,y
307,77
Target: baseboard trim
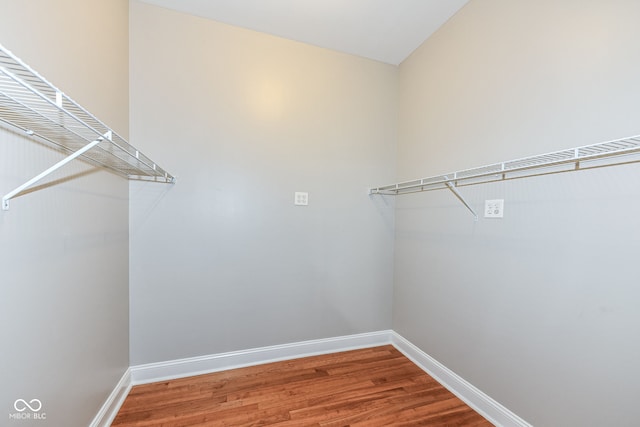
x,y
480,402
111,406
162,371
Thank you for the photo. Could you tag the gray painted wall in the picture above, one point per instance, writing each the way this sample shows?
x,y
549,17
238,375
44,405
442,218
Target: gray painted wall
x,y
64,248
538,310
223,260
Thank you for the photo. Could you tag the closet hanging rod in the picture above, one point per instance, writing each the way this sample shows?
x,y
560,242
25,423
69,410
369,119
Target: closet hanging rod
x,y
519,168
32,105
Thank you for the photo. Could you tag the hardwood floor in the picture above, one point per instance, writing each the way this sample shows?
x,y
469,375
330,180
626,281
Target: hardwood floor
x,y
370,387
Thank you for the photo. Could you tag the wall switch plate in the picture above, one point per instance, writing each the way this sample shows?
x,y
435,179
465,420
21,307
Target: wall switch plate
x,y
301,199
494,208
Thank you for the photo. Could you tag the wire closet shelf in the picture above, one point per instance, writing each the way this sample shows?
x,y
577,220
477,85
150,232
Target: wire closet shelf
x,y
29,103
520,168
588,156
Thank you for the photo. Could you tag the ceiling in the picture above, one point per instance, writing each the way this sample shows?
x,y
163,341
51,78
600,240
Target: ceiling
x,y
383,30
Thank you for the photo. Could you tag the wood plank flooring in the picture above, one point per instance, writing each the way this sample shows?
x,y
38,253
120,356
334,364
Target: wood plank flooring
x,y
370,387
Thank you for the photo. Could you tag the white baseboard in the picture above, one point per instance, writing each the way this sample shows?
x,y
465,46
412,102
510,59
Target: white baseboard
x,y
109,410
480,402
162,371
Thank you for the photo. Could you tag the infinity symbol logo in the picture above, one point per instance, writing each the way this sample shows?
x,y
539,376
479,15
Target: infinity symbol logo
x,y
21,405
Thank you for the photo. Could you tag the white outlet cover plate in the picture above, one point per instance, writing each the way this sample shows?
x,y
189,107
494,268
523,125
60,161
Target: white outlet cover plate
x,y
301,198
494,208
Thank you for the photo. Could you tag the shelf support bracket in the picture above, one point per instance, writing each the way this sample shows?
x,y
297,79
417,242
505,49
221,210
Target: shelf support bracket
x,y
451,187
61,163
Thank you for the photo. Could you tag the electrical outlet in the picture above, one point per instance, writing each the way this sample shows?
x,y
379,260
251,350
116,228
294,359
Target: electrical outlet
x,y
301,199
494,208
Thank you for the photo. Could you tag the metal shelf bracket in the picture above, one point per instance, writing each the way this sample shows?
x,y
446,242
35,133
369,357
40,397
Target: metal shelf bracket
x,y
453,189
61,163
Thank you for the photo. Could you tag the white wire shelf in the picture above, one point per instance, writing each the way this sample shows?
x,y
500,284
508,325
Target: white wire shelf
x,y
608,153
29,103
